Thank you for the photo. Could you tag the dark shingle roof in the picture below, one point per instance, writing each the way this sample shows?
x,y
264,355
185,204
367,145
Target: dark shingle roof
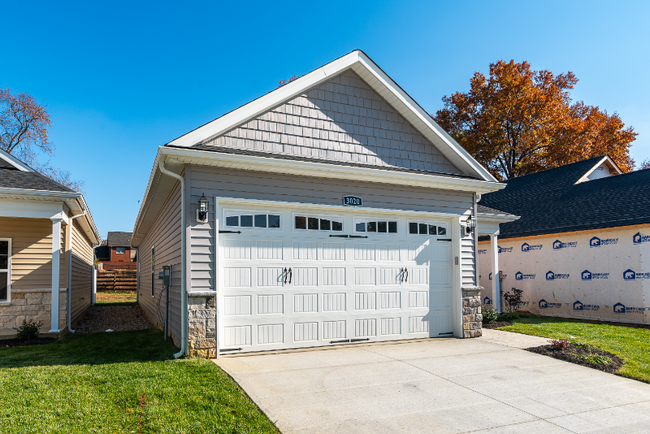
x,y
550,201
13,178
119,239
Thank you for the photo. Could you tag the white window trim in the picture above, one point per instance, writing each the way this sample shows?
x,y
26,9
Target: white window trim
x,y
230,212
339,218
8,271
123,253
356,220
438,224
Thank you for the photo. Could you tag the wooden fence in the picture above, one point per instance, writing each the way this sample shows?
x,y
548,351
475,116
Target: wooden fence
x,y
116,280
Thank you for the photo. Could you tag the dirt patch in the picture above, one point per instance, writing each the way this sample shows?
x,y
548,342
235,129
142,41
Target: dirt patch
x,y
497,324
572,354
8,343
115,318
116,296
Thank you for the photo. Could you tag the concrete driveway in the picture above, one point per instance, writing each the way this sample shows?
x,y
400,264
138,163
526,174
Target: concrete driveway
x,y
438,386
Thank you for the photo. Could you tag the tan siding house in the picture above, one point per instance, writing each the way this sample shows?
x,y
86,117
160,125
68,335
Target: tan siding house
x,y
332,210
46,240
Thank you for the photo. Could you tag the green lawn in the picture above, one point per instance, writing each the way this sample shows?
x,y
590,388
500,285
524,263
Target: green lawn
x,y
630,344
121,382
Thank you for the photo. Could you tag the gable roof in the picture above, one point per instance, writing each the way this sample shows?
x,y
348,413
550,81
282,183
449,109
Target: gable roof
x,y
376,79
560,200
119,239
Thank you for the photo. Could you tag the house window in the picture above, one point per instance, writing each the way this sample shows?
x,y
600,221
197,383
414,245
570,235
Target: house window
x,y
318,223
417,228
375,227
120,250
5,268
240,219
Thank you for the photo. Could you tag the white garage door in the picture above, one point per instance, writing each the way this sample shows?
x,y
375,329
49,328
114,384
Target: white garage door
x,y
290,279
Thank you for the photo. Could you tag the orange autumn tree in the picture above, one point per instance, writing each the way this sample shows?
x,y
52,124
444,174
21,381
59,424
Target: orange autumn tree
x,y
23,133
518,121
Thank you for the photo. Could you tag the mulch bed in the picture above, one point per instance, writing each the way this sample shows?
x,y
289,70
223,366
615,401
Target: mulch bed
x,y
115,318
8,343
497,324
568,355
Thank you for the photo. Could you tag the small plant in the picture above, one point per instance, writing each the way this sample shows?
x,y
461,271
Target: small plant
x,y
594,358
513,299
559,344
28,330
508,316
489,314
583,345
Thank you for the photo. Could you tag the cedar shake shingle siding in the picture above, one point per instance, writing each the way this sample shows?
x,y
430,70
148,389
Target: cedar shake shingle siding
x,y
341,120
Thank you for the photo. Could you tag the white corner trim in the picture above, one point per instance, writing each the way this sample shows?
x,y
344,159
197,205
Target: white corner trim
x,y
605,159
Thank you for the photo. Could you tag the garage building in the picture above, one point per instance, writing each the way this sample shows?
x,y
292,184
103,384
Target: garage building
x,y
331,210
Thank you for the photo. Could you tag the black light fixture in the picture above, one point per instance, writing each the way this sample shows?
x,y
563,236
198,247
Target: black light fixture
x,y
202,210
470,225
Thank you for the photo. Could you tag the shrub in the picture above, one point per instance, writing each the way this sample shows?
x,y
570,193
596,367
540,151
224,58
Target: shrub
x,y
508,316
513,299
489,315
559,344
583,345
594,358
28,330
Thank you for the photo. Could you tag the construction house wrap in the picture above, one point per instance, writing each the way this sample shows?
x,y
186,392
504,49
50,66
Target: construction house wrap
x,y
581,246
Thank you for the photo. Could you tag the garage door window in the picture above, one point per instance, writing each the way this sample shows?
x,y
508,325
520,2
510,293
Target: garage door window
x,y
417,228
240,219
375,226
317,223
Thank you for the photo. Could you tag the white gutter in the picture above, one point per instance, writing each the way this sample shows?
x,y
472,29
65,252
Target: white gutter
x,y
183,260
68,241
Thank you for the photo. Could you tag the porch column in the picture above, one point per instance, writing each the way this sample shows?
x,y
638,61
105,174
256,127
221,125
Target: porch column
x,y
56,274
494,252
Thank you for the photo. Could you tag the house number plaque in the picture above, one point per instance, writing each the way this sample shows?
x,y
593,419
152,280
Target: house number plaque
x,y
352,201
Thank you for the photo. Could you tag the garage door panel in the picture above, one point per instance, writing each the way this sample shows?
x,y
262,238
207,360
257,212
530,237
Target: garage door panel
x,y
270,250
334,302
391,300
238,335
365,276
334,251
237,277
390,276
270,277
270,334
236,249
389,252
268,304
334,329
365,301
334,276
305,276
305,250
303,303
305,331
364,252
364,328
418,324
419,299
237,305
391,326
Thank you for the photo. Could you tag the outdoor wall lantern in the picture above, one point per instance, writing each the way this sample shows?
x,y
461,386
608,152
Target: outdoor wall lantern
x,y
470,225
202,210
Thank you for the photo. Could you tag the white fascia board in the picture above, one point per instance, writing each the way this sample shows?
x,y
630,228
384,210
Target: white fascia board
x,y
489,223
355,59
29,209
265,102
15,162
324,170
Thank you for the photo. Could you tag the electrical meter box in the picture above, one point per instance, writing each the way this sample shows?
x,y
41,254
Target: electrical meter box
x,y
167,275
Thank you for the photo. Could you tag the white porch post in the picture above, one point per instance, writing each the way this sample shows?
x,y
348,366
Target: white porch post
x,y
494,252
56,274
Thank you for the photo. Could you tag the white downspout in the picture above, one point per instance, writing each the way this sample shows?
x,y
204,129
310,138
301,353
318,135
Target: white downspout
x,y
183,267
69,242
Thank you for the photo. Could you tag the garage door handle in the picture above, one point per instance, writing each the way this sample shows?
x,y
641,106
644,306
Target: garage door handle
x,y
358,236
230,232
444,239
339,236
290,274
406,277
284,273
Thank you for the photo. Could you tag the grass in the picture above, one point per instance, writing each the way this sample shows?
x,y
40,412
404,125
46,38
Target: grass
x,y
116,298
121,382
630,344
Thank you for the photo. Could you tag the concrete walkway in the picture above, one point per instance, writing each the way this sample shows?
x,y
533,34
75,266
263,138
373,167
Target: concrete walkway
x,y
439,386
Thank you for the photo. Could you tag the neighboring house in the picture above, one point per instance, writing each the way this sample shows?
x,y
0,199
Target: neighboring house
x,y
117,254
330,210
46,250
580,247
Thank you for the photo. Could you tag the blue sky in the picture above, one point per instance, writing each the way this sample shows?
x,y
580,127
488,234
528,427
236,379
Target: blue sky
x,y
120,79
